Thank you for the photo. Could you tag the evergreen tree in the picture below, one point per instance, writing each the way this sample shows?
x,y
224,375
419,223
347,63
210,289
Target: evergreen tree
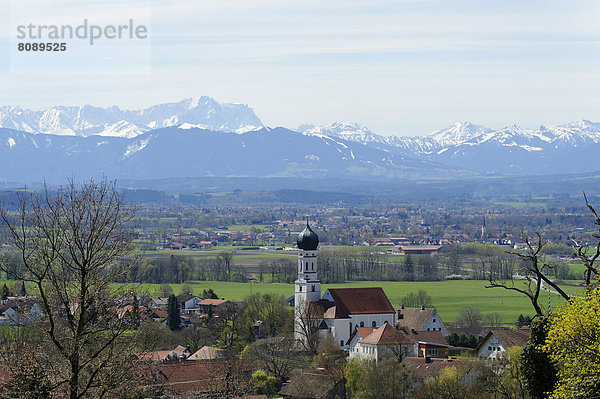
x,y
409,268
173,318
5,292
21,291
135,313
209,294
537,369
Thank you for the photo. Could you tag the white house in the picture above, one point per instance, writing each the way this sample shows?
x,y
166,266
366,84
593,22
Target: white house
x,y
340,310
420,319
496,342
376,343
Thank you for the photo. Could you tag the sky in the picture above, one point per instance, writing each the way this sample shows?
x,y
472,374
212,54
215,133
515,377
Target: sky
x,y
399,67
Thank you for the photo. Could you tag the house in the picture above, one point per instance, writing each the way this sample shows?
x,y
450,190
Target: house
x,y
415,250
188,303
496,342
376,343
314,385
159,302
211,378
427,367
179,353
216,306
420,319
429,343
207,353
19,311
340,310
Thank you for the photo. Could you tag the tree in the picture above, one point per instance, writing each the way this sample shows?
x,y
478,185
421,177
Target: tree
x,y
71,243
538,370
384,379
262,383
173,317
416,300
469,317
409,268
5,292
135,313
275,355
573,342
272,310
209,294
164,291
307,319
581,251
20,289
329,355
186,288
225,259
533,269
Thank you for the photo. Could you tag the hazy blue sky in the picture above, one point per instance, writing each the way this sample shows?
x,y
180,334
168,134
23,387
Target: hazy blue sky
x,y
398,67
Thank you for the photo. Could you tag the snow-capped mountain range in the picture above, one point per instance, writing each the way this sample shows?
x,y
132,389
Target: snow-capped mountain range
x,y
201,137
201,112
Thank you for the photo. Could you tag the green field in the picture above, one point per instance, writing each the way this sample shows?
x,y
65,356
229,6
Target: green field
x,y
448,297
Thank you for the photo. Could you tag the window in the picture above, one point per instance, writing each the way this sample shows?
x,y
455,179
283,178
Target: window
x,y
433,352
489,348
428,329
362,323
313,288
300,288
312,265
341,342
434,320
373,324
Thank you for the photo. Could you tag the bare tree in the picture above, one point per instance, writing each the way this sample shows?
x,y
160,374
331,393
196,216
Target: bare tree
x,y
275,355
533,272
71,242
589,259
307,320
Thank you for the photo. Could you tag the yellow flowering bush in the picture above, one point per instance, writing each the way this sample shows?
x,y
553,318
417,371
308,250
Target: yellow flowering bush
x,y
574,344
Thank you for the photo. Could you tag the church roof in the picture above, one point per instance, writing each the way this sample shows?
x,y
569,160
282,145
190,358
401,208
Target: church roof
x,y
360,301
308,239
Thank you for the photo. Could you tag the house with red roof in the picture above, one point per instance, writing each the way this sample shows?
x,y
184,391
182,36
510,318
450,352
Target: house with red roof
x,y
376,343
496,342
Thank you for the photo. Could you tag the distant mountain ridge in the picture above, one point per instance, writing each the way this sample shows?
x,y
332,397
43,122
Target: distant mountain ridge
x,y
218,139
511,150
202,112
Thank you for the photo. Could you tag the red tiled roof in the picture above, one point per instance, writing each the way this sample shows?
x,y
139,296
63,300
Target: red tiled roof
x,y
509,337
360,301
422,369
202,376
429,337
214,302
385,335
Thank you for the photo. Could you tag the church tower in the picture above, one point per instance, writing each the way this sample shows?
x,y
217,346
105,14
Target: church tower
x,y
308,286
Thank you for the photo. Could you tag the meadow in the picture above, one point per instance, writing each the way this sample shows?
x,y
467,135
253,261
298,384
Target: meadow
x,y
448,297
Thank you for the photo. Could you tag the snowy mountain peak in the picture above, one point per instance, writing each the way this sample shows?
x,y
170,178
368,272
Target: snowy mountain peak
x,y
459,132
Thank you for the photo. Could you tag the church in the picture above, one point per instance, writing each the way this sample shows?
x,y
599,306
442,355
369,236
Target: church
x,y
340,310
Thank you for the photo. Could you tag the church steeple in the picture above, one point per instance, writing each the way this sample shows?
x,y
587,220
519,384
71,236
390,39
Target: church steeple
x,y
308,286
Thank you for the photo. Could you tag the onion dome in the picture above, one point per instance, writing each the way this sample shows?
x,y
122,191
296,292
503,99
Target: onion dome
x,y
308,239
